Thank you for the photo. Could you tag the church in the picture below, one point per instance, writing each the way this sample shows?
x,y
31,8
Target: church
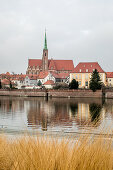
x,y
35,66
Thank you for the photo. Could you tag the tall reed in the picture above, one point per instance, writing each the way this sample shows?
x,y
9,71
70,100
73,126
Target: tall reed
x,y
53,154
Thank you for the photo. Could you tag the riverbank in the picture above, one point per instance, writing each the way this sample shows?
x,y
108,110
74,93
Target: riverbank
x,y
80,93
45,153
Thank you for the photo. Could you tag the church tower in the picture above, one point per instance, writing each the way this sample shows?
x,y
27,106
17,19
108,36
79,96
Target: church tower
x,y
45,56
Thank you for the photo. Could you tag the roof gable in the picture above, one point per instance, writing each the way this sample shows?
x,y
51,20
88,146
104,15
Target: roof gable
x,y
43,74
52,65
87,67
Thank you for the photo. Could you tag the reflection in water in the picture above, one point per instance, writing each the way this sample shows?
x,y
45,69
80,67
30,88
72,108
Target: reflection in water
x,y
61,113
11,105
74,109
95,111
55,114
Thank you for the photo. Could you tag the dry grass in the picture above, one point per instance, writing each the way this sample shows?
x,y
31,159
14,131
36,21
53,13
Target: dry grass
x,y
52,154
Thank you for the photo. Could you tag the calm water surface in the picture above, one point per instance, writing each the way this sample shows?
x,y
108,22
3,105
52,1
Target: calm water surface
x,y
57,115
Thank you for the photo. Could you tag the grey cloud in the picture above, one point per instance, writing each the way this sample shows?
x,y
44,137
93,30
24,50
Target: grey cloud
x,y
76,29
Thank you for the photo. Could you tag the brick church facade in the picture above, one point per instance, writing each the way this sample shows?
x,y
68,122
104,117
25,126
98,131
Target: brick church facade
x,y
35,66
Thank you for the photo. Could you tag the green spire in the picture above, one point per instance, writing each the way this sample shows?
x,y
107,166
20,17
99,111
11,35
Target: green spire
x,y
45,44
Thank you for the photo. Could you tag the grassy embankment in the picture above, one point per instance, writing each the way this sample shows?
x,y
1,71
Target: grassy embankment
x,y
52,154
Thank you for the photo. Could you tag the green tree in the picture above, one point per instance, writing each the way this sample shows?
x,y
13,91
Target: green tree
x,y
10,85
74,84
39,83
95,81
0,84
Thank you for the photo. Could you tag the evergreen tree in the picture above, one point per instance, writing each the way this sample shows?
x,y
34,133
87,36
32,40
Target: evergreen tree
x,y
0,84
39,83
10,85
95,81
74,84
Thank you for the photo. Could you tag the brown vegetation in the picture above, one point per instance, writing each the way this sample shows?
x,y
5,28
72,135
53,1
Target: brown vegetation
x,y
52,154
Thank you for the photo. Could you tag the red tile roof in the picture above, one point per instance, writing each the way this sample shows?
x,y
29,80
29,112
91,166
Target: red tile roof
x,y
109,74
5,81
35,62
54,64
60,75
64,64
43,74
8,73
87,67
32,76
49,82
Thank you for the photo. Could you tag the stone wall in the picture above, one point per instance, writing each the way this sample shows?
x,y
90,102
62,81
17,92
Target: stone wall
x,y
75,93
52,93
27,93
109,93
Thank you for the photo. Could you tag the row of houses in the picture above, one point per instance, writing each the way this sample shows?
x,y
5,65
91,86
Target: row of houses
x,y
43,79
48,79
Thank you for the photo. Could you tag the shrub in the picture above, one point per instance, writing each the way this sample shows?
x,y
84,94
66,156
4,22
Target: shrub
x,y
74,84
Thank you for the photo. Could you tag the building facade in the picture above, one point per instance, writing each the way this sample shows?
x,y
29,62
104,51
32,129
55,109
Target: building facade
x,y
110,79
83,71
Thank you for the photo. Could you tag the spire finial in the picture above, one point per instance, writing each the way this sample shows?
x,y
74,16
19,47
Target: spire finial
x,y
45,43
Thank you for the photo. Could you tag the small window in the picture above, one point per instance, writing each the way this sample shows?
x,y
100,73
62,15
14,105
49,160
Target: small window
x,y
80,70
45,54
91,65
76,77
79,82
109,79
72,76
86,76
86,70
86,83
79,76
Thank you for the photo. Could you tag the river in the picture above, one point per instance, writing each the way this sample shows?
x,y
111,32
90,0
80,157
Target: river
x,y
55,115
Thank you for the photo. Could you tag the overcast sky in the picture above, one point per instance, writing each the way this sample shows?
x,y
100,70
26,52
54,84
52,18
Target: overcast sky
x,y
81,30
